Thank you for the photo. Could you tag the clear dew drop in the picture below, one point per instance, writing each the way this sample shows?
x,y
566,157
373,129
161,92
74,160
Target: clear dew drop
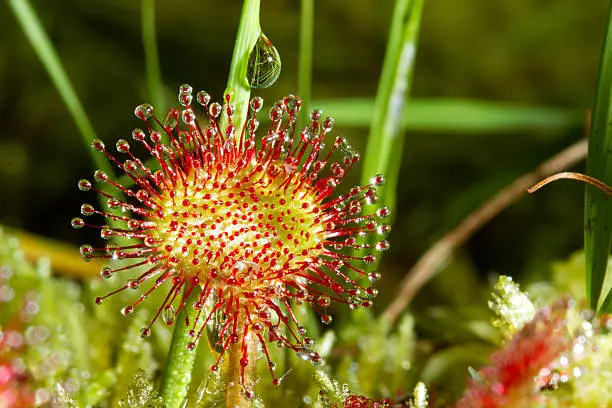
x,y
215,109
374,276
382,245
316,114
256,103
324,301
304,354
188,116
130,166
86,251
145,332
326,319
328,124
371,199
106,233
155,137
383,212
138,134
369,259
150,242
132,283
168,315
127,310
77,223
84,185
383,229
203,98
106,272
378,180
98,145
264,65
100,176
87,209
371,293
144,111
122,146
184,95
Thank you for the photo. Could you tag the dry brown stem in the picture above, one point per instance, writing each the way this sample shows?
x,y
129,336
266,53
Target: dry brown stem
x,y
432,261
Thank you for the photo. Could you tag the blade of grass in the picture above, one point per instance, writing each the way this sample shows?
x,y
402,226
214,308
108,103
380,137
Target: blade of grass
x,y
44,50
149,42
606,305
305,59
598,208
40,42
385,136
457,115
248,33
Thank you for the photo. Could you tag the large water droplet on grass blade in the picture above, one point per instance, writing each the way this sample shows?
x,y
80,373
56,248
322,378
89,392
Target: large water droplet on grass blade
x,y
264,64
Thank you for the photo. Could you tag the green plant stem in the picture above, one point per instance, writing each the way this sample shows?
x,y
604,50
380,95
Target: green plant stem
x,y
176,376
305,59
149,42
383,152
246,37
234,387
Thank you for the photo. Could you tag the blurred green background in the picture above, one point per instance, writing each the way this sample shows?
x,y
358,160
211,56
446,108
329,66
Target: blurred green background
x,y
534,53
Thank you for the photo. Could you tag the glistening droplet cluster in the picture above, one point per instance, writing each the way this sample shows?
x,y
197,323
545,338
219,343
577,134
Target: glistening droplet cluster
x,y
248,224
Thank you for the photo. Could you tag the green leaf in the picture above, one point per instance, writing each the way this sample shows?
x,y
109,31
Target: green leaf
x,y
246,38
44,50
305,59
149,42
598,208
384,148
457,115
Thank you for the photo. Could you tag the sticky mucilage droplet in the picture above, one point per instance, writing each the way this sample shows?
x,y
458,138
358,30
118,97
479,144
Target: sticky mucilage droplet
x,y
264,64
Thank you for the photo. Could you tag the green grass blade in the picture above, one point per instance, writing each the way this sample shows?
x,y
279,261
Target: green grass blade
x,y
606,305
43,48
305,59
246,37
598,207
149,42
457,115
40,42
383,152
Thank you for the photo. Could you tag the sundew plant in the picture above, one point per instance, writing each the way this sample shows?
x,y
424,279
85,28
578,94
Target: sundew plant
x,y
236,251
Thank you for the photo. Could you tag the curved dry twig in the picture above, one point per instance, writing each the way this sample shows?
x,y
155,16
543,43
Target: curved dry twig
x,y
568,175
432,261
